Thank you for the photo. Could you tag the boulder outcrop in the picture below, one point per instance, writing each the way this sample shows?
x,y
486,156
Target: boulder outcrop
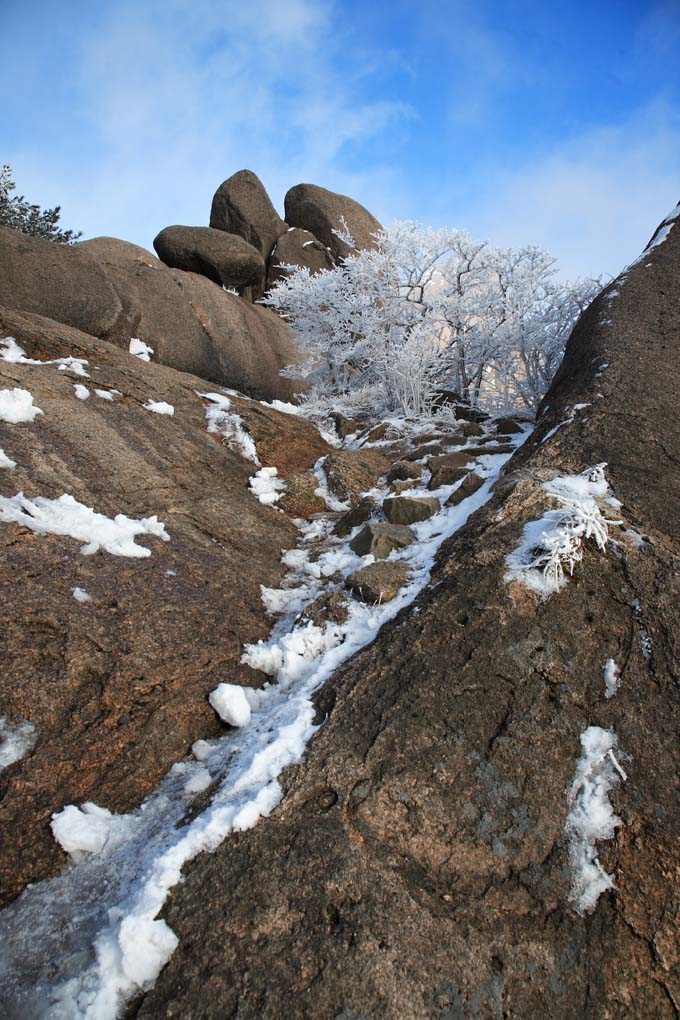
x,y
226,259
242,206
297,248
321,212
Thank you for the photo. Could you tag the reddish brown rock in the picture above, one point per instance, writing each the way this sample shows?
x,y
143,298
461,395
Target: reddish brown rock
x,y
242,206
378,582
351,472
321,212
297,247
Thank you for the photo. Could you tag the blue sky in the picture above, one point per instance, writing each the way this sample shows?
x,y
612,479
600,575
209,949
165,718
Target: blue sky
x,y
524,122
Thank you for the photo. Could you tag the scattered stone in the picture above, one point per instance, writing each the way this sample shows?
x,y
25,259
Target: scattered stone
x,y
378,582
299,498
403,470
297,247
447,469
351,472
470,428
359,514
226,259
468,487
429,450
508,426
330,607
321,211
409,509
242,206
381,539
402,486
345,426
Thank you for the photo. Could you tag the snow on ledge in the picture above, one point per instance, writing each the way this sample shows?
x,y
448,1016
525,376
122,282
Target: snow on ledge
x,y
66,516
591,818
552,546
139,349
12,352
159,407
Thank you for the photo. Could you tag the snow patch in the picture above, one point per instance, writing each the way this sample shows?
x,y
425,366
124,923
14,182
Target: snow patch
x,y
17,406
140,349
66,516
80,595
224,422
82,830
552,546
612,678
266,486
81,392
591,818
159,407
12,352
5,461
231,704
107,394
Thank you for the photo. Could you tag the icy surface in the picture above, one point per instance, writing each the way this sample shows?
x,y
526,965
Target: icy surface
x,y
66,516
266,486
5,461
552,546
83,944
16,740
17,406
140,349
591,818
224,422
231,704
159,407
612,678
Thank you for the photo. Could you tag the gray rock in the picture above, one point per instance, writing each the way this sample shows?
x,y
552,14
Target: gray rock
x,y
381,539
409,509
378,582
359,514
62,282
225,259
320,211
242,206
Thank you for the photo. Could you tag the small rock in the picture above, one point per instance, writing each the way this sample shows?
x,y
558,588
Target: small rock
x,y
405,471
345,426
381,539
331,607
507,426
409,509
448,468
429,450
467,488
379,582
359,514
351,472
299,498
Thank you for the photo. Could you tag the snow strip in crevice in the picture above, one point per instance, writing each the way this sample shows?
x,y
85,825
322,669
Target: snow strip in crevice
x,y
612,678
591,818
552,546
16,406
83,944
16,740
222,421
322,490
11,351
66,516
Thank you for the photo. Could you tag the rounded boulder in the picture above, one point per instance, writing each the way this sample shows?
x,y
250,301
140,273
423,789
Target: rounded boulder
x,y
224,258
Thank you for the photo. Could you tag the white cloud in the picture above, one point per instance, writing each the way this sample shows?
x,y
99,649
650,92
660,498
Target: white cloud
x,y
593,201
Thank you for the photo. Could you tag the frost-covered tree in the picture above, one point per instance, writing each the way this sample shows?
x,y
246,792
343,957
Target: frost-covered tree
x,y
18,214
425,310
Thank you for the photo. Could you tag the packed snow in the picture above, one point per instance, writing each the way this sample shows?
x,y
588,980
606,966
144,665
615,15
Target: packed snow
x,y
66,516
266,486
5,461
159,407
82,830
83,944
591,818
224,422
231,704
16,740
16,406
552,546
612,678
81,392
140,349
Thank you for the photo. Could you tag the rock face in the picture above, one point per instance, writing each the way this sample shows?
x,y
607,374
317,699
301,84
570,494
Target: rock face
x,y
226,259
321,211
297,248
242,206
57,280
418,866
118,685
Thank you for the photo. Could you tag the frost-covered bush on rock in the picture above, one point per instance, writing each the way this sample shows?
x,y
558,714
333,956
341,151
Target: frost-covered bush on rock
x,y
427,310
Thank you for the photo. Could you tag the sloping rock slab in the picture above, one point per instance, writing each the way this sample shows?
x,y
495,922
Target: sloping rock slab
x,y
117,686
